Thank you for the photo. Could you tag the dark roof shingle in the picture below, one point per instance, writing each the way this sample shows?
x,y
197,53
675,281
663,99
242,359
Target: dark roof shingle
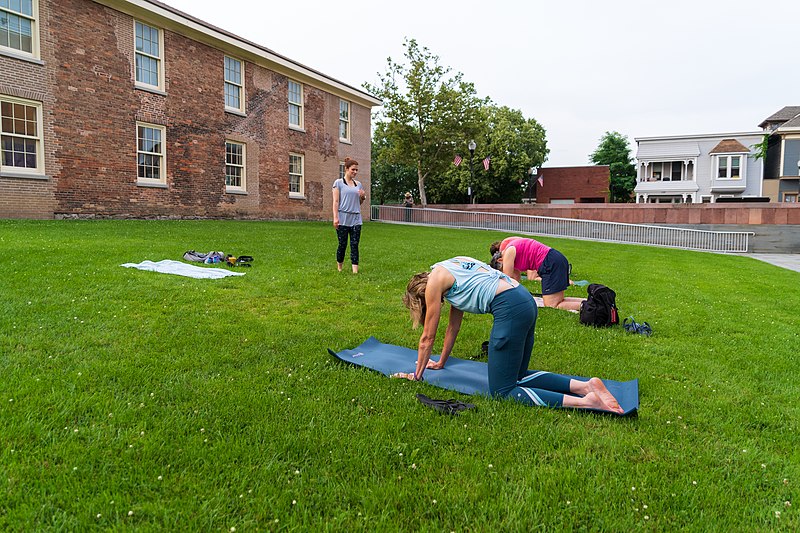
x,y
727,146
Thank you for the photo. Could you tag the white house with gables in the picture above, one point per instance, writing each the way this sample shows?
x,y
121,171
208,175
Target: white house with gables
x,y
698,168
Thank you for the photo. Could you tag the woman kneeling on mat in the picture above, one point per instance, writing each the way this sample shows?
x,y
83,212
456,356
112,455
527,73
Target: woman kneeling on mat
x,y
517,254
473,286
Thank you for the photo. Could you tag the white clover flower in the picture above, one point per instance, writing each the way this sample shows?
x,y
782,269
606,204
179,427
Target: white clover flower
x,y
160,478
777,514
490,465
130,513
99,515
294,502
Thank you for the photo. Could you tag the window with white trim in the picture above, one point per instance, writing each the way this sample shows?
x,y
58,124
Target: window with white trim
x,y
235,166
234,85
296,179
341,170
21,136
295,104
344,120
149,51
150,153
790,197
729,167
18,26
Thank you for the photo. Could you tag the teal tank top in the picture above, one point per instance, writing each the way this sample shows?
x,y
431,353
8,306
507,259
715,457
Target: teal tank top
x,y
475,284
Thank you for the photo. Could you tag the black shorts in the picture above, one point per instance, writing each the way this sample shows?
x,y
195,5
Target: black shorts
x,y
554,271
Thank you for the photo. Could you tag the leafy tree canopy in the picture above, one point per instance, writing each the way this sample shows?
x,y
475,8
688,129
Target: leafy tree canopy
x,y
615,152
513,143
427,113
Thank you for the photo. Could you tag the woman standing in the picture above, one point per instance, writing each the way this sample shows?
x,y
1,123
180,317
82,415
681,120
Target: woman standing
x,y
517,254
472,286
348,194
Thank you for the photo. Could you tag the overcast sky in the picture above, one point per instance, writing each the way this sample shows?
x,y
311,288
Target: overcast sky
x,y
580,68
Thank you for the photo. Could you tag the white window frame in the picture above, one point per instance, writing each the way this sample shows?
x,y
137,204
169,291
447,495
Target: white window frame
x,y
242,187
300,176
790,197
33,18
158,59
729,166
344,121
162,167
341,170
37,171
298,104
234,85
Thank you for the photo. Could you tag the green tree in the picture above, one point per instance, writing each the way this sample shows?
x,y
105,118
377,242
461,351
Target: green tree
x,y
427,114
389,181
615,152
513,143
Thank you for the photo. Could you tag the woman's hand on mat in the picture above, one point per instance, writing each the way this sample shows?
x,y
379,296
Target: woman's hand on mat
x,y
435,365
404,375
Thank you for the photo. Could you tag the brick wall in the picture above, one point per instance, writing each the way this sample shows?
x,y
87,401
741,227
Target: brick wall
x,y
34,81
92,107
669,214
581,184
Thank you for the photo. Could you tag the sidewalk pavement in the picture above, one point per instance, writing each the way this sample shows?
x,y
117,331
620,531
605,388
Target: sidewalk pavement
x,y
790,261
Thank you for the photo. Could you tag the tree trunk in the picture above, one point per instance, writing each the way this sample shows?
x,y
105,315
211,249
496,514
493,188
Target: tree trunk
x,y
423,199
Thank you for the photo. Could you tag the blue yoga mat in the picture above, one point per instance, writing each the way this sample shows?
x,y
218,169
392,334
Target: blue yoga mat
x,y
462,375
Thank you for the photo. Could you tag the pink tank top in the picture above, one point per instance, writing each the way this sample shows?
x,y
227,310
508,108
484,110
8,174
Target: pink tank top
x,y
530,253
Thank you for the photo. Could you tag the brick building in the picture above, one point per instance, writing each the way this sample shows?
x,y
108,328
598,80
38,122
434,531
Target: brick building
x,y
131,108
572,185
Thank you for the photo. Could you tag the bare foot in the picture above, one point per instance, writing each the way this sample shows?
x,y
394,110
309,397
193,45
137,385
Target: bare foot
x,y
609,403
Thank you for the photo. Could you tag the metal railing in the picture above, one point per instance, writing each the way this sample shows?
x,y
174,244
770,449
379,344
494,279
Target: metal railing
x,y
593,230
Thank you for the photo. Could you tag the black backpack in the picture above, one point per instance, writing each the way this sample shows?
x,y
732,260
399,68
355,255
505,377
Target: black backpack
x,y
600,308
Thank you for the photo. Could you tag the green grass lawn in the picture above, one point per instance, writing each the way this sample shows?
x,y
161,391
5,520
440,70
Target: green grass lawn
x,y
136,400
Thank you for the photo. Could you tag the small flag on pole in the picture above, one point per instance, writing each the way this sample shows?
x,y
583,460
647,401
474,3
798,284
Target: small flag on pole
x,y
457,160
486,164
541,180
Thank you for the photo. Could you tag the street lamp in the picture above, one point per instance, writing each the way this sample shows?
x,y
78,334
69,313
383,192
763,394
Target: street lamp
x,y
531,185
471,147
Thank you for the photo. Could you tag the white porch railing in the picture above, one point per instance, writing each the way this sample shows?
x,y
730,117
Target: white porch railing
x,y
593,230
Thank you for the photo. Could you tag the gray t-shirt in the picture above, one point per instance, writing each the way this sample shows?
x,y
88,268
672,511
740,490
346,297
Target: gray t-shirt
x,y
349,203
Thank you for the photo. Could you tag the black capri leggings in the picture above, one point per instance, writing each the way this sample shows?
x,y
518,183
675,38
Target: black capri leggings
x,y
355,235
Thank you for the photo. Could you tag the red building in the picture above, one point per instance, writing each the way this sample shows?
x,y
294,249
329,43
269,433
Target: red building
x,y
573,185
131,108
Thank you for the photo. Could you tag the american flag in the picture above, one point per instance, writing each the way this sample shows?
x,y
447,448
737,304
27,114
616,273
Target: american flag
x,y
457,160
486,164
541,180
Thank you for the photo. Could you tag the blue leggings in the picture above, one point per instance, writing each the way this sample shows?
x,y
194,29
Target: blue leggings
x,y
510,347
